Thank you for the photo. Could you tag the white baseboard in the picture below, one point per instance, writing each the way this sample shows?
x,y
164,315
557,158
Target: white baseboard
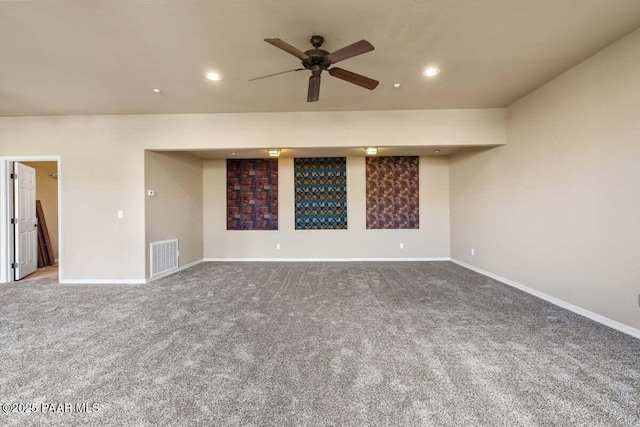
x,y
556,301
102,281
322,259
184,267
126,281
174,271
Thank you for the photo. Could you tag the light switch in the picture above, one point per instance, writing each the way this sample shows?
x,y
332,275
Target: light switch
x,y
120,214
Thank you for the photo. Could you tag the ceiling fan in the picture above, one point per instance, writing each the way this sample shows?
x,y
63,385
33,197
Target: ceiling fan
x,y
317,60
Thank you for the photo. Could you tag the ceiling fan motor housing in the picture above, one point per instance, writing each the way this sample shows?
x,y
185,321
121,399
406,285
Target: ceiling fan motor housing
x,y
317,57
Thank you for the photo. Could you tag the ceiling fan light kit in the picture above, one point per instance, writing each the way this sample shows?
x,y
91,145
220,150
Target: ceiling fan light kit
x,y
318,60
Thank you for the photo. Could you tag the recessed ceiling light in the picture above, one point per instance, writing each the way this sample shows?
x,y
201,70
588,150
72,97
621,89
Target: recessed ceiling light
x,y
396,85
437,151
156,90
213,76
431,71
371,151
233,154
273,152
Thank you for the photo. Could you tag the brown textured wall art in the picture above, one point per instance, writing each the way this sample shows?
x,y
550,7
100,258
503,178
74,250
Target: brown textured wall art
x,y
392,193
252,194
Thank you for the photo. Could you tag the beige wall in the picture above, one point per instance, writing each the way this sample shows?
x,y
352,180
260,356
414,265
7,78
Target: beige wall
x,y
430,241
558,208
102,163
47,193
176,209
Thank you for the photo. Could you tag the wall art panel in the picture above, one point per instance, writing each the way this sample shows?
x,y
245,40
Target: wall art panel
x,y
320,193
252,194
392,192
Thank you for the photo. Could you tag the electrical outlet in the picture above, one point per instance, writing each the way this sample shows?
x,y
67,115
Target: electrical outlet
x,y
401,245
278,246
473,252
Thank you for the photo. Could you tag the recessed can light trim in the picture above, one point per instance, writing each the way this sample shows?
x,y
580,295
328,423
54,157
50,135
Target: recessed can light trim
x,y
431,72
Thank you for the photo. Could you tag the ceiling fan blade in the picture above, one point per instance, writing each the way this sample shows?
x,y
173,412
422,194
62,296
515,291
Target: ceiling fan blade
x,y
275,74
314,89
358,48
287,48
354,78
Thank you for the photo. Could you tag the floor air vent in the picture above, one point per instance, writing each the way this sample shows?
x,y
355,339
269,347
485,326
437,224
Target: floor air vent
x,y
164,256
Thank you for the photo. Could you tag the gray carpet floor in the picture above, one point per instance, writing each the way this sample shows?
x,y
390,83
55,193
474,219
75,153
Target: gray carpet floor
x,y
311,344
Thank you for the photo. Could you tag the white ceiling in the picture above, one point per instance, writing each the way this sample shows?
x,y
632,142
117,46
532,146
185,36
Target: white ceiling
x,y
86,57
320,152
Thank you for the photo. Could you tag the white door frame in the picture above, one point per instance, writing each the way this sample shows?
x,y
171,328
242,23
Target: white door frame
x,y
6,200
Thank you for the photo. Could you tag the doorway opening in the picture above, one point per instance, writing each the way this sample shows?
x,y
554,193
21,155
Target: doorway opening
x,y
30,235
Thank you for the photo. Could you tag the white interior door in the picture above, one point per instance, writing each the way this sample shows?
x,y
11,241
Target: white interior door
x,y
26,227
